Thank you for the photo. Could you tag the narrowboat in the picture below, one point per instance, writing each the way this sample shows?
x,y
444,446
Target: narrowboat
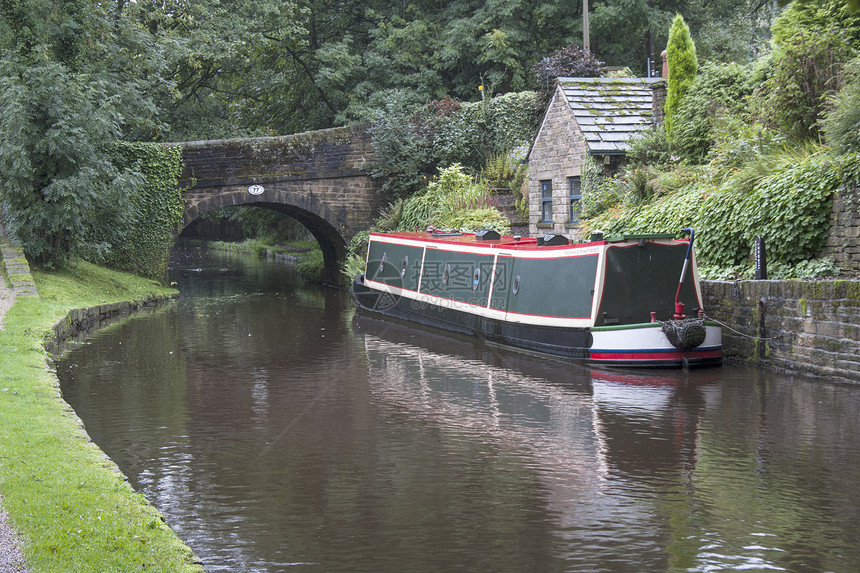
x,y
633,300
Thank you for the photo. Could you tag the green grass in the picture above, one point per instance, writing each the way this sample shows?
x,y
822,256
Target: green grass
x,y
258,247
72,508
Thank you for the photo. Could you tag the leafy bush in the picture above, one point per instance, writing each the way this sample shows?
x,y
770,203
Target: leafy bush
x,y
452,201
815,15
356,253
478,130
650,147
739,143
403,147
806,70
599,193
842,122
410,142
789,206
718,90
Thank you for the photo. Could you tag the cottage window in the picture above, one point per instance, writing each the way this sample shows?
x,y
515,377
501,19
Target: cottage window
x,y
546,201
575,185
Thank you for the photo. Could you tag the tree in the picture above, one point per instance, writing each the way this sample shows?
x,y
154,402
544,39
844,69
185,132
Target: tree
x,y
62,196
681,56
570,61
813,39
65,97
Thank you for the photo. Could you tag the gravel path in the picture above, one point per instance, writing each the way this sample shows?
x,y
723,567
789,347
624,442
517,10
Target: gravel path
x,y
11,560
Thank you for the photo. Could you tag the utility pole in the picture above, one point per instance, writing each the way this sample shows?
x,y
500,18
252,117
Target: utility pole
x,y
586,40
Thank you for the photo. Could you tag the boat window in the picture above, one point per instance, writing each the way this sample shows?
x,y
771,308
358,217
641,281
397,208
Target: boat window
x,y
403,266
381,263
446,274
476,278
516,285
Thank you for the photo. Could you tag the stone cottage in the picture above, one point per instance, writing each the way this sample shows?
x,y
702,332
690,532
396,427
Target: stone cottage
x,y
594,117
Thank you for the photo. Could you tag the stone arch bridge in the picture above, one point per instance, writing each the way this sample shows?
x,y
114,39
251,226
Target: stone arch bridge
x,y
321,178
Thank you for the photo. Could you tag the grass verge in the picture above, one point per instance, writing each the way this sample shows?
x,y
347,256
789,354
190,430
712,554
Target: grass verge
x,y
71,507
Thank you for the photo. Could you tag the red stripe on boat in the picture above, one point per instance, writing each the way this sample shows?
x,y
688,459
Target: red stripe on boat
x,y
635,355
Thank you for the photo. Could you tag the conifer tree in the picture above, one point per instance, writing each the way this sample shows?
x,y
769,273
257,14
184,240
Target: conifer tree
x,y
681,57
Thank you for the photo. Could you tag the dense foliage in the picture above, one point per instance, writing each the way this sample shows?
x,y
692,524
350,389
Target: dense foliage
x,y
719,91
79,76
789,206
744,154
842,123
62,195
411,142
806,70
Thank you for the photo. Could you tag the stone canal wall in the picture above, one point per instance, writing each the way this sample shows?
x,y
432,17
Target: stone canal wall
x,y
843,239
806,326
80,323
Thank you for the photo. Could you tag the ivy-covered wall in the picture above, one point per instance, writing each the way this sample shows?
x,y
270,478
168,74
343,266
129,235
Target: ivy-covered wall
x,y
158,210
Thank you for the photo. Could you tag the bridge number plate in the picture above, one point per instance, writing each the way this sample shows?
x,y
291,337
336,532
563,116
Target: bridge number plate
x,y
256,189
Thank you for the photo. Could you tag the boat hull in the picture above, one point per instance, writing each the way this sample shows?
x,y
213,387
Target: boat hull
x,y
637,345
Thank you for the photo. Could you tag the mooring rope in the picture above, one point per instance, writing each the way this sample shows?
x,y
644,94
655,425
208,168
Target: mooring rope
x,y
724,325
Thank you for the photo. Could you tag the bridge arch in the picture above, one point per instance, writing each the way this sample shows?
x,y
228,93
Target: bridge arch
x,y
320,178
329,230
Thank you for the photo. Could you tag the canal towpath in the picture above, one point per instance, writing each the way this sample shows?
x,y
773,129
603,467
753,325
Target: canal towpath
x,y
11,559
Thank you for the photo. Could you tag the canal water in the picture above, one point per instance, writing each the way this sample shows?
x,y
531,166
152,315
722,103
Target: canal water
x,y
278,431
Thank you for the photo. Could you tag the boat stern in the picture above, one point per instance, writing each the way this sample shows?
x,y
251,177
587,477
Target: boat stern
x,y
670,344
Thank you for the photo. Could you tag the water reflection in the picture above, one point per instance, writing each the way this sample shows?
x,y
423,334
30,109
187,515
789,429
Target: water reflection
x,y
279,432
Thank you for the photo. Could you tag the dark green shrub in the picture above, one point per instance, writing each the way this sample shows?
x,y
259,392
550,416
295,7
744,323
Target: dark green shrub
x,y
403,143
650,147
681,57
410,143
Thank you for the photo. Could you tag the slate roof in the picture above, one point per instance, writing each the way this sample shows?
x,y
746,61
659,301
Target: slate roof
x,y
609,110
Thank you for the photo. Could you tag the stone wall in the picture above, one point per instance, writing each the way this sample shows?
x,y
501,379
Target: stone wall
x,y
558,152
843,240
324,173
807,326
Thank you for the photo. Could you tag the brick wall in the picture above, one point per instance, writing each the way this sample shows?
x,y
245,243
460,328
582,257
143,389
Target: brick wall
x,y
558,153
807,326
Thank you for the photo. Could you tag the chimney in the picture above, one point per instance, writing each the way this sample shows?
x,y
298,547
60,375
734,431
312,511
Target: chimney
x,y
658,98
